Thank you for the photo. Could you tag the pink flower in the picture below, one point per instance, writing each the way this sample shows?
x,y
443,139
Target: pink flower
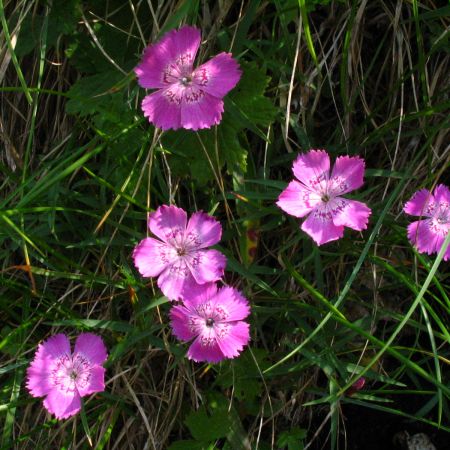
x,y
186,97
214,319
179,258
317,195
62,377
428,235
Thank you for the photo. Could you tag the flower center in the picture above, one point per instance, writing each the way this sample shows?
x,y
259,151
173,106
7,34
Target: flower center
x,y
73,375
209,322
186,81
181,251
325,198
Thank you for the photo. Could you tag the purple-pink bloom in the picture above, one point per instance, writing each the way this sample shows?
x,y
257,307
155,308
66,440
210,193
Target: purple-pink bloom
x,y
213,319
179,257
428,234
185,97
62,377
317,194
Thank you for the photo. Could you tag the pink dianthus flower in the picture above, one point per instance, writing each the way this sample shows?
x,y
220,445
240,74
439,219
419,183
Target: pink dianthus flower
x,y
214,320
428,234
186,97
317,194
180,259
62,377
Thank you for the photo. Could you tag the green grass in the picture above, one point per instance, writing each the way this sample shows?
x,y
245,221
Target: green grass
x,y
81,168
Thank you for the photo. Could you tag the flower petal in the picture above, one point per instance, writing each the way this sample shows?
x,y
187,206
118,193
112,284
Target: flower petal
x,y
194,297
163,108
179,320
92,347
422,236
350,213
96,382
218,76
421,204
206,265
319,225
202,231
210,353
442,195
62,404
233,303
176,50
169,224
199,109
347,175
237,336
298,201
312,169
151,257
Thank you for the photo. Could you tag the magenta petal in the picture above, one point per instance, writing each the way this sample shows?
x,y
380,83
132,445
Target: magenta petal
x,y
194,297
92,347
298,201
233,302
200,110
96,382
423,238
177,48
347,175
179,319
209,353
312,168
420,203
151,257
62,404
203,230
218,76
169,224
321,229
352,214
237,337
161,111
206,265
442,195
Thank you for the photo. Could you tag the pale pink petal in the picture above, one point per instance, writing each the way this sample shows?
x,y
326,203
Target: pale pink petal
x,y
62,404
206,265
92,347
421,204
199,109
96,382
347,175
350,213
162,109
151,257
312,169
210,353
169,224
219,75
319,225
298,201
234,304
442,195
175,51
235,339
179,320
422,236
202,231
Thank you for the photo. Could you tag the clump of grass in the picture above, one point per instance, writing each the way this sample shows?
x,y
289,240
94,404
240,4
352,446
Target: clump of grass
x,y
81,168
